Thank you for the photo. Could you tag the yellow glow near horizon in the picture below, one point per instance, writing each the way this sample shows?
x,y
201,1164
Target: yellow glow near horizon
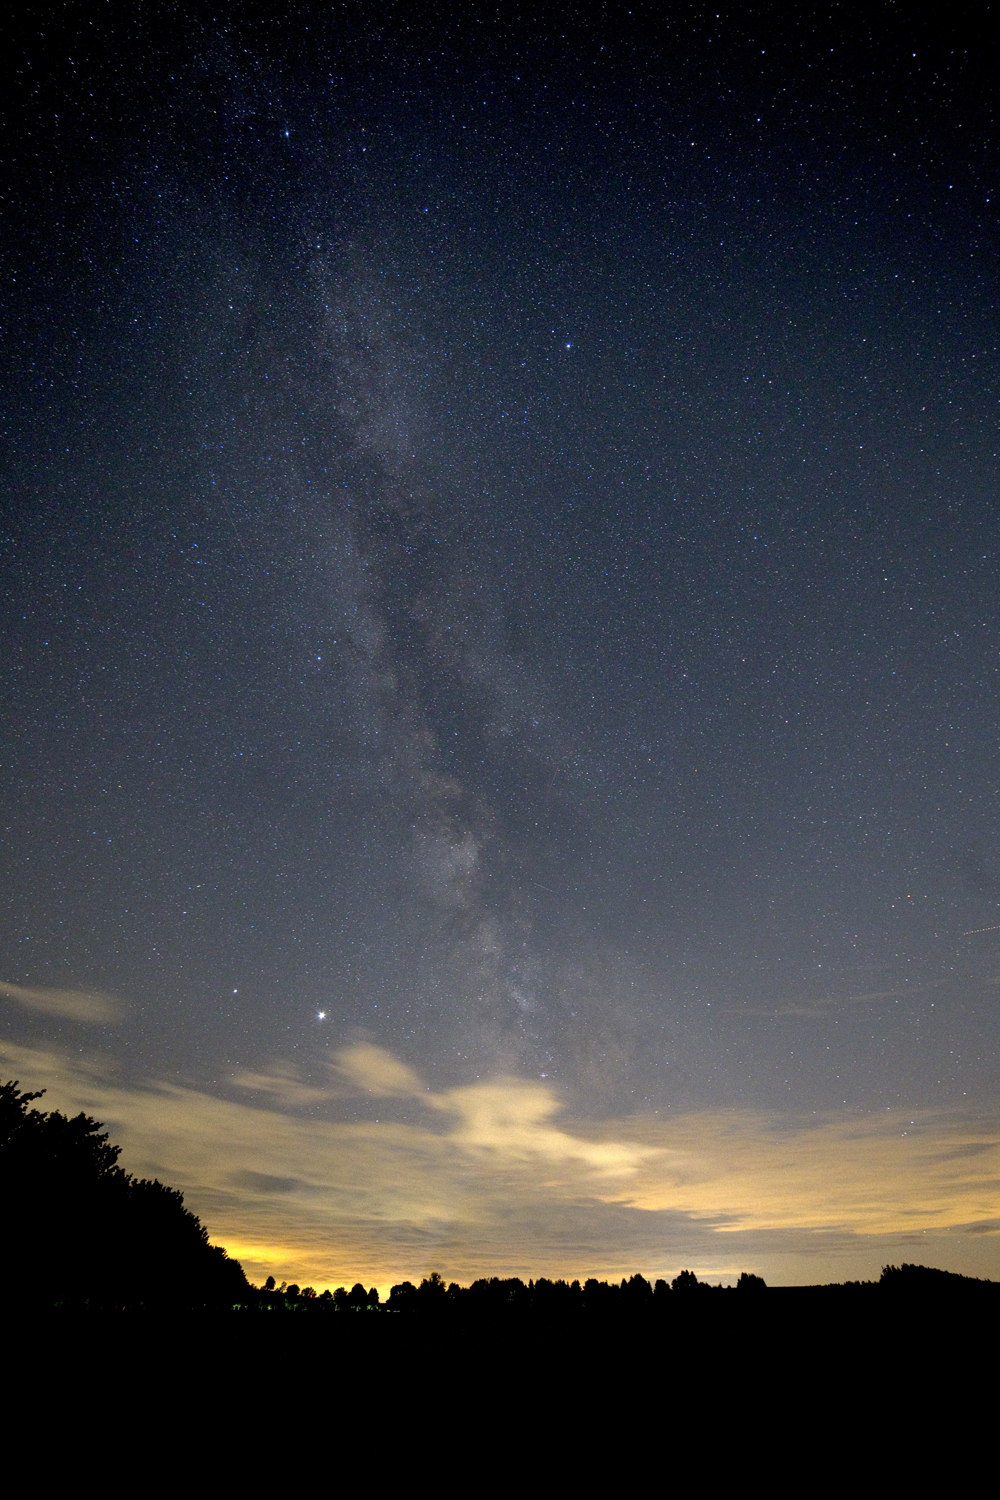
x,y
495,1178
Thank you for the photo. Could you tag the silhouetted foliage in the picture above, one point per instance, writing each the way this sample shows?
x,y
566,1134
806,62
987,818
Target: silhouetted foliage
x,y
686,1281
927,1281
79,1230
632,1302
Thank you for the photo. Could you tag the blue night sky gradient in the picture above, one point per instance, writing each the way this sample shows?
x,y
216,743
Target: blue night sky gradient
x,y
500,548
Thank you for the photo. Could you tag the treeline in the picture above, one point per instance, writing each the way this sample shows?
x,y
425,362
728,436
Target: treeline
x,y
434,1297
78,1231
633,1296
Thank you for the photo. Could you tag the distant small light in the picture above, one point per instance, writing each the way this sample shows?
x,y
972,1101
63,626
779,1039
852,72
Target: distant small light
x,y
321,1015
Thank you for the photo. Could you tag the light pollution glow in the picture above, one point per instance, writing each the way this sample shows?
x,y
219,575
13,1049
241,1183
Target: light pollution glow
x,y
496,1178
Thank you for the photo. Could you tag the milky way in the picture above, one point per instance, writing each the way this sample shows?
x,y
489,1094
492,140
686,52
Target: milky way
x,y
500,553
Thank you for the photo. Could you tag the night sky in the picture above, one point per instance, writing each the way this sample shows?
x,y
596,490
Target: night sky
x,y
499,683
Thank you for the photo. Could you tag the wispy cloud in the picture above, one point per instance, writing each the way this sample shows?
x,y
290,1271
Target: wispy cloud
x,y
510,1117
494,1177
282,1085
371,1069
823,1006
92,1006
513,1119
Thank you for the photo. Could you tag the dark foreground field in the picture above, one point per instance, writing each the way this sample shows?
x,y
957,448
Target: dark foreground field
x,y
817,1377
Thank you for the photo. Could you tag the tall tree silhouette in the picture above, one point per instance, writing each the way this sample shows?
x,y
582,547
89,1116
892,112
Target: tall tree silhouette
x,y
80,1230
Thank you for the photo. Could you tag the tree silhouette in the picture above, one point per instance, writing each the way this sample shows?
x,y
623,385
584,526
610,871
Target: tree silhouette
x,y
685,1281
80,1230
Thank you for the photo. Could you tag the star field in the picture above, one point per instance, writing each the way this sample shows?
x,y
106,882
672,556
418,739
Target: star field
x,y
499,583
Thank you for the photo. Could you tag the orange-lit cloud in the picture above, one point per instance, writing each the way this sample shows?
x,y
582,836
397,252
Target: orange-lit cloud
x,y
510,1117
494,1178
371,1069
